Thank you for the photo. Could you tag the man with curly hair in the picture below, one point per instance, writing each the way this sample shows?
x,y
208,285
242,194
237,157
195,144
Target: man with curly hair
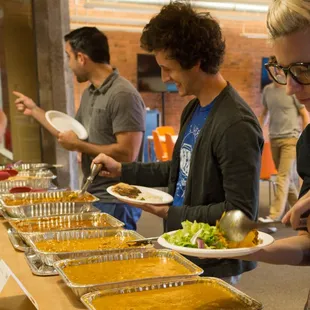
x,y
216,160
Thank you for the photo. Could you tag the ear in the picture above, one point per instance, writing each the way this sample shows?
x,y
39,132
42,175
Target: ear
x,y
81,58
196,67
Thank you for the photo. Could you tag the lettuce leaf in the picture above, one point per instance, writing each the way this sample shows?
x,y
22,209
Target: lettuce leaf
x,y
211,236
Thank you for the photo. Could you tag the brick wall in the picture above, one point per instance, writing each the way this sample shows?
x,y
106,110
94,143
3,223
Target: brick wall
x,y
242,65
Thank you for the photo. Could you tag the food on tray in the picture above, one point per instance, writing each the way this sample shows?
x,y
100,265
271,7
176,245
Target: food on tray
x,y
58,223
74,245
133,192
188,297
122,270
127,190
65,197
208,237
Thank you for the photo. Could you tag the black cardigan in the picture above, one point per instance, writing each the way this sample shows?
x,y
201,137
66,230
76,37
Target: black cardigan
x,y
224,171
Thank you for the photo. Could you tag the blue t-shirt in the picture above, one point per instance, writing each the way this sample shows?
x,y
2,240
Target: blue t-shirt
x,y
192,131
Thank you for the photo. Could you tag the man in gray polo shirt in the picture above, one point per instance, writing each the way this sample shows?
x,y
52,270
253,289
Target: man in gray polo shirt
x,y
111,110
284,130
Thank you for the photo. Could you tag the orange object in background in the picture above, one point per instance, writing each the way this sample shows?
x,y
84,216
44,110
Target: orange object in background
x,y
268,168
170,145
159,147
162,130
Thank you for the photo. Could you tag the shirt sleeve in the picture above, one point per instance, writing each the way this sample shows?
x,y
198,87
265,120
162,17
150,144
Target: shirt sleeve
x,y
127,113
297,103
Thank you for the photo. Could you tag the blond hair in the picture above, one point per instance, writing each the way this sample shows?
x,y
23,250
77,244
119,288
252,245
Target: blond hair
x,y
288,16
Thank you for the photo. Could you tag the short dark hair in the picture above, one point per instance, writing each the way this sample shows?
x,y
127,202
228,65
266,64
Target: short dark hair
x,y
272,59
187,36
90,41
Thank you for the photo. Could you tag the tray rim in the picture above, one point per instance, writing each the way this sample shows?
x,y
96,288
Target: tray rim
x,y
117,230
11,231
26,234
149,285
8,217
32,268
4,205
70,284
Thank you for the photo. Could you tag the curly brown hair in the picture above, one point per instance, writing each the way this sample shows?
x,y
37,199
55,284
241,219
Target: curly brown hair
x,y
188,36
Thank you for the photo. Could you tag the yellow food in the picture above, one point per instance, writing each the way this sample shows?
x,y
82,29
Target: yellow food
x,y
74,245
114,271
67,197
188,297
249,241
58,223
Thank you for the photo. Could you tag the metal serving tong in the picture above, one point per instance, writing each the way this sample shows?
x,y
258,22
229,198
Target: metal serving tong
x,y
95,169
142,241
236,225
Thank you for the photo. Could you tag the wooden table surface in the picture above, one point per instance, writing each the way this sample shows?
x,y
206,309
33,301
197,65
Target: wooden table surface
x,y
49,292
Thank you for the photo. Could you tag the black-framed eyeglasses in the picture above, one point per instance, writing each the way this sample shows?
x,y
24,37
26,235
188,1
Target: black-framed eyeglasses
x,y
299,71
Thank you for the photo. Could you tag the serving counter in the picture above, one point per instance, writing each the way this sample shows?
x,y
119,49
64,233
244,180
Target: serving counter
x,y
49,292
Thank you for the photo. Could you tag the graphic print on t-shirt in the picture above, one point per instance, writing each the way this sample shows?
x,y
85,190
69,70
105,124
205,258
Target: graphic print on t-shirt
x,y
191,134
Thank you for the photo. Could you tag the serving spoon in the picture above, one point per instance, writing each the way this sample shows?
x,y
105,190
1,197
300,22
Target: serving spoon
x,y
236,225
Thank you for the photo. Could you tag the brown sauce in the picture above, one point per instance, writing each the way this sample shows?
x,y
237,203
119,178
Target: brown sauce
x,y
114,271
75,245
188,297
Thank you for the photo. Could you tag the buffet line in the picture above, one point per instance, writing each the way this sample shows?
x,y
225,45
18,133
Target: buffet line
x,y
63,234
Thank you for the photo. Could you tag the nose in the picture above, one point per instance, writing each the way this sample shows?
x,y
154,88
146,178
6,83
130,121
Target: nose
x,y
165,76
292,86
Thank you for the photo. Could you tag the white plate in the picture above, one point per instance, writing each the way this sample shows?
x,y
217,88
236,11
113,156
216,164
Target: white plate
x,y
63,122
220,253
165,197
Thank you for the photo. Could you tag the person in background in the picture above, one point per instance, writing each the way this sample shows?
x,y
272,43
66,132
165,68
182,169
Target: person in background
x,y
111,110
216,160
3,124
289,24
284,131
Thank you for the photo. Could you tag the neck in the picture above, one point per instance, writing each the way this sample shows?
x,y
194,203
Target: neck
x,y
277,85
99,74
211,87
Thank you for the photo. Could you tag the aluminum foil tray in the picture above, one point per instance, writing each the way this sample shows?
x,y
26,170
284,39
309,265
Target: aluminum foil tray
x,y
29,166
80,289
48,209
16,240
25,199
36,173
41,225
50,258
36,183
245,301
37,267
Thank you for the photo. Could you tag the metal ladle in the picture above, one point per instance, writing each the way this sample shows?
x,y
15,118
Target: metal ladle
x,y
236,225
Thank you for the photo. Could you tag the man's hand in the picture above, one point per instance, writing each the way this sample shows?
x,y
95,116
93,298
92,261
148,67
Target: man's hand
x,y
300,207
159,210
24,104
110,167
68,140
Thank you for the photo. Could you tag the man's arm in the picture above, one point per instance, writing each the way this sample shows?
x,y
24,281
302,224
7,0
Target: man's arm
x,y
289,251
304,116
28,107
262,118
126,148
3,124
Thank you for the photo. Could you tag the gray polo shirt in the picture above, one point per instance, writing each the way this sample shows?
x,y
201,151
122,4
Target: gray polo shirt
x,y
283,112
113,108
